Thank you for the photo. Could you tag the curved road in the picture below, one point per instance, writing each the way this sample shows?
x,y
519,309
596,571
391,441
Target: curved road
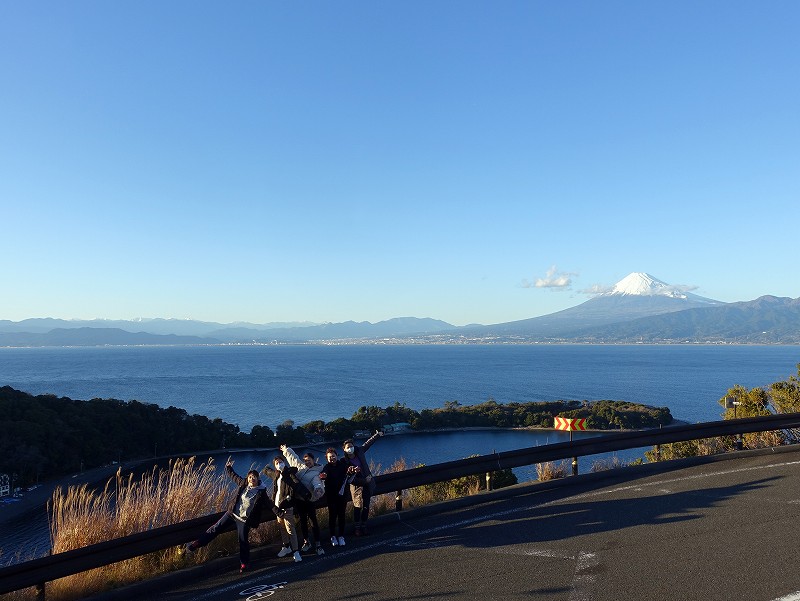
x,y
726,529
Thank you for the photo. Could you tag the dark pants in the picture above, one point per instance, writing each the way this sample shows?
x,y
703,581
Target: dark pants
x,y
242,528
361,511
307,511
361,495
336,506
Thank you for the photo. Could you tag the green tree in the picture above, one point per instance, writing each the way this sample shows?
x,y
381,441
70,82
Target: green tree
x,y
339,429
370,418
754,402
314,427
262,436
287,434
785,395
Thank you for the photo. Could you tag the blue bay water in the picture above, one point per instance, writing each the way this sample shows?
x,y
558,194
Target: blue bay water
x,y
249,385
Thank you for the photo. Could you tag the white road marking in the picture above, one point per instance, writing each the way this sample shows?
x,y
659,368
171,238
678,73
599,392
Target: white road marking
x,y
520,550
639,486
582,579
415,544
789,597
255,593
550,554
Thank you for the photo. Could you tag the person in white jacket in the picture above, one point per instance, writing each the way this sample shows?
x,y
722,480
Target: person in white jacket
x,y
308,471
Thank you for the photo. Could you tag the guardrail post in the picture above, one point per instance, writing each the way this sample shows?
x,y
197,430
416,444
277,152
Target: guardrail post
x,y
40,591
658,452
738,444
488,480
398,501
574,466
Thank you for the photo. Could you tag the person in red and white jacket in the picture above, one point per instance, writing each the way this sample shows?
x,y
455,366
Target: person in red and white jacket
x,y
308,471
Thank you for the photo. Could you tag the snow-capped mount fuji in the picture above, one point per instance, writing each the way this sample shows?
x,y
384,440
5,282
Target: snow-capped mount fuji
x,y
635,296
644,284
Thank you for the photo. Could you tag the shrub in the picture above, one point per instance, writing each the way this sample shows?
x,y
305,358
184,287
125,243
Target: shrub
x,y
552,470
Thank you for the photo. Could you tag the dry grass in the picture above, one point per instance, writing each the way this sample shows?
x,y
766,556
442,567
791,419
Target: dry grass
x,y
24,594
80,517
611,463
426,494
552,471
760,440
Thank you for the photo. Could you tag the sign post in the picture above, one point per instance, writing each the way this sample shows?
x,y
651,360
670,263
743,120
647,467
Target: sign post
x,y
731,402
571,424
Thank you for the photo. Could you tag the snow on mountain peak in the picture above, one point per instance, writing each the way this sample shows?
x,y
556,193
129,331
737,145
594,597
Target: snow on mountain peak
x,y
643,284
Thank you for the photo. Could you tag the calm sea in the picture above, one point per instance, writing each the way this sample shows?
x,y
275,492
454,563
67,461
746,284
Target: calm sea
x,y
249,385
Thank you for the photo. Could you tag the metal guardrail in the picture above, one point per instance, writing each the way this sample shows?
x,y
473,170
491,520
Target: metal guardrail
x,y
618,441
37,572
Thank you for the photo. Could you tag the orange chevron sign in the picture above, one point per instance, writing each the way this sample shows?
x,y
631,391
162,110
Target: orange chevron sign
x,y
569,423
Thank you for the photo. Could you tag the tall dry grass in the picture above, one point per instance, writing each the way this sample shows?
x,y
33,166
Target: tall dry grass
x,y
552,471
80,516
612,463
426,494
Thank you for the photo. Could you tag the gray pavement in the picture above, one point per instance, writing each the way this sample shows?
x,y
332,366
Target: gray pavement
x,y
725,529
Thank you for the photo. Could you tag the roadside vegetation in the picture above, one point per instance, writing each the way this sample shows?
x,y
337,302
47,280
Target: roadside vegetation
x,y
778,397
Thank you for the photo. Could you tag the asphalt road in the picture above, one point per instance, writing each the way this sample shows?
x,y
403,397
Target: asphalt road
x,y
724,530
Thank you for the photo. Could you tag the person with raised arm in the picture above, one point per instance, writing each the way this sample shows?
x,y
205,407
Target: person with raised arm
x,y
362,482
245,511
308,472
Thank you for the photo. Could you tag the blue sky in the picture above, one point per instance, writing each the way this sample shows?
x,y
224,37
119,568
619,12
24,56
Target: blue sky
x,y
466,161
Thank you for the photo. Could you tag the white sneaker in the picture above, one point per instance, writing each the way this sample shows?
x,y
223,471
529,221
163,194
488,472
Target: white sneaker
x,y
334,541
297,557
341,541
285,551
306,547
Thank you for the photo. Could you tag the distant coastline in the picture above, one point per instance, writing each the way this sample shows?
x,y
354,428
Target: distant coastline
x,y
488,341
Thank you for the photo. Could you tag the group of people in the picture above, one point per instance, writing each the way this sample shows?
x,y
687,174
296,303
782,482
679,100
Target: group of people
x,y
297,485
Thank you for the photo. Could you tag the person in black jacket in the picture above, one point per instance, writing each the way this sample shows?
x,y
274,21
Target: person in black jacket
x,y
285,487
361,480
245,511
333,475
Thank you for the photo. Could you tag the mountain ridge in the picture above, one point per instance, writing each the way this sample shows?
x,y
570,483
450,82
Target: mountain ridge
x,y
639,308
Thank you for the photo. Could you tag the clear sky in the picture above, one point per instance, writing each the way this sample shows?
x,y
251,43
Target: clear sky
x,y
475,162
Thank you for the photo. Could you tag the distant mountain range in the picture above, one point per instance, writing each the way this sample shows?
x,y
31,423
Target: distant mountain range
x,y
638,309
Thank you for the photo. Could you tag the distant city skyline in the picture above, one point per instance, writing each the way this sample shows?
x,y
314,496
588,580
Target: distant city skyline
x,y
462,161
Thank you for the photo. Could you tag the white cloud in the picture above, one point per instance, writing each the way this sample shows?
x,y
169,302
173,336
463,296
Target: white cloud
x,y
596,289
554,280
